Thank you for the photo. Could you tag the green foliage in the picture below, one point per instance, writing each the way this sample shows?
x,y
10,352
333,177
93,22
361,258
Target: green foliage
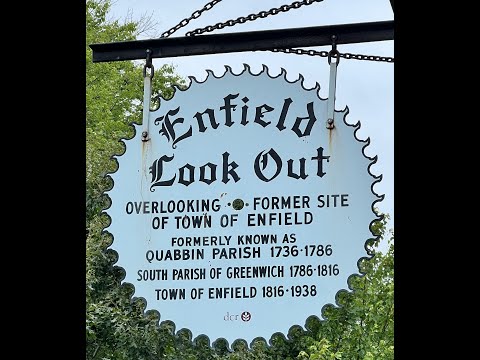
x,y
362,327
114,96
115,327
320,350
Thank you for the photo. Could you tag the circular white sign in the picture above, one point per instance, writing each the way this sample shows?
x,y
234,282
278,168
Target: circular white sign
x,y
243,214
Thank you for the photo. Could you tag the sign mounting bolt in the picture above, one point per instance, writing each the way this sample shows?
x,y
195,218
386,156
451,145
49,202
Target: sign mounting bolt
x,y
144,136
330,125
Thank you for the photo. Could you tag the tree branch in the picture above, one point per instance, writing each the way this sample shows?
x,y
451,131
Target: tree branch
x,y
386,320
363,306
95,352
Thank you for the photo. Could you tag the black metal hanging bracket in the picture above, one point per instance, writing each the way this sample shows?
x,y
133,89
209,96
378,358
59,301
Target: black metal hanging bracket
x,y
244,41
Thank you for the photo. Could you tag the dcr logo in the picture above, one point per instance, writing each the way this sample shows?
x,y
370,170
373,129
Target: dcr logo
x,y
244,316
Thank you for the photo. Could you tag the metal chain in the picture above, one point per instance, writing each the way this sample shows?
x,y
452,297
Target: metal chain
x,y
263,14
251,17
342,55
196,14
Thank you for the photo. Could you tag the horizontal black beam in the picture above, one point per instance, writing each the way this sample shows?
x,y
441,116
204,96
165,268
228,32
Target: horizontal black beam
x,y
243,41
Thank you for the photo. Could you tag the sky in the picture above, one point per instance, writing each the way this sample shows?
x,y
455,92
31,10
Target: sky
x,y
366,87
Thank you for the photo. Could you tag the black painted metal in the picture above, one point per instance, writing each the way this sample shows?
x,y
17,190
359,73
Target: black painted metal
x,y
243,41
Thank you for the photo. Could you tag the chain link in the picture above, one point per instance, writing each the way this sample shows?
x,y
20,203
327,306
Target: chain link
x,y
251,17
342,55
263,14
196,14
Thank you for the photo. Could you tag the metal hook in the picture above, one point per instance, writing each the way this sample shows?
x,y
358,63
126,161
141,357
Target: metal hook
x,y
332,83
149,64
147,93
149,57
334,51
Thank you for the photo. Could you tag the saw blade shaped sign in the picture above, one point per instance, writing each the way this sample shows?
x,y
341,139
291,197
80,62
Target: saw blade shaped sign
x,y
243,214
